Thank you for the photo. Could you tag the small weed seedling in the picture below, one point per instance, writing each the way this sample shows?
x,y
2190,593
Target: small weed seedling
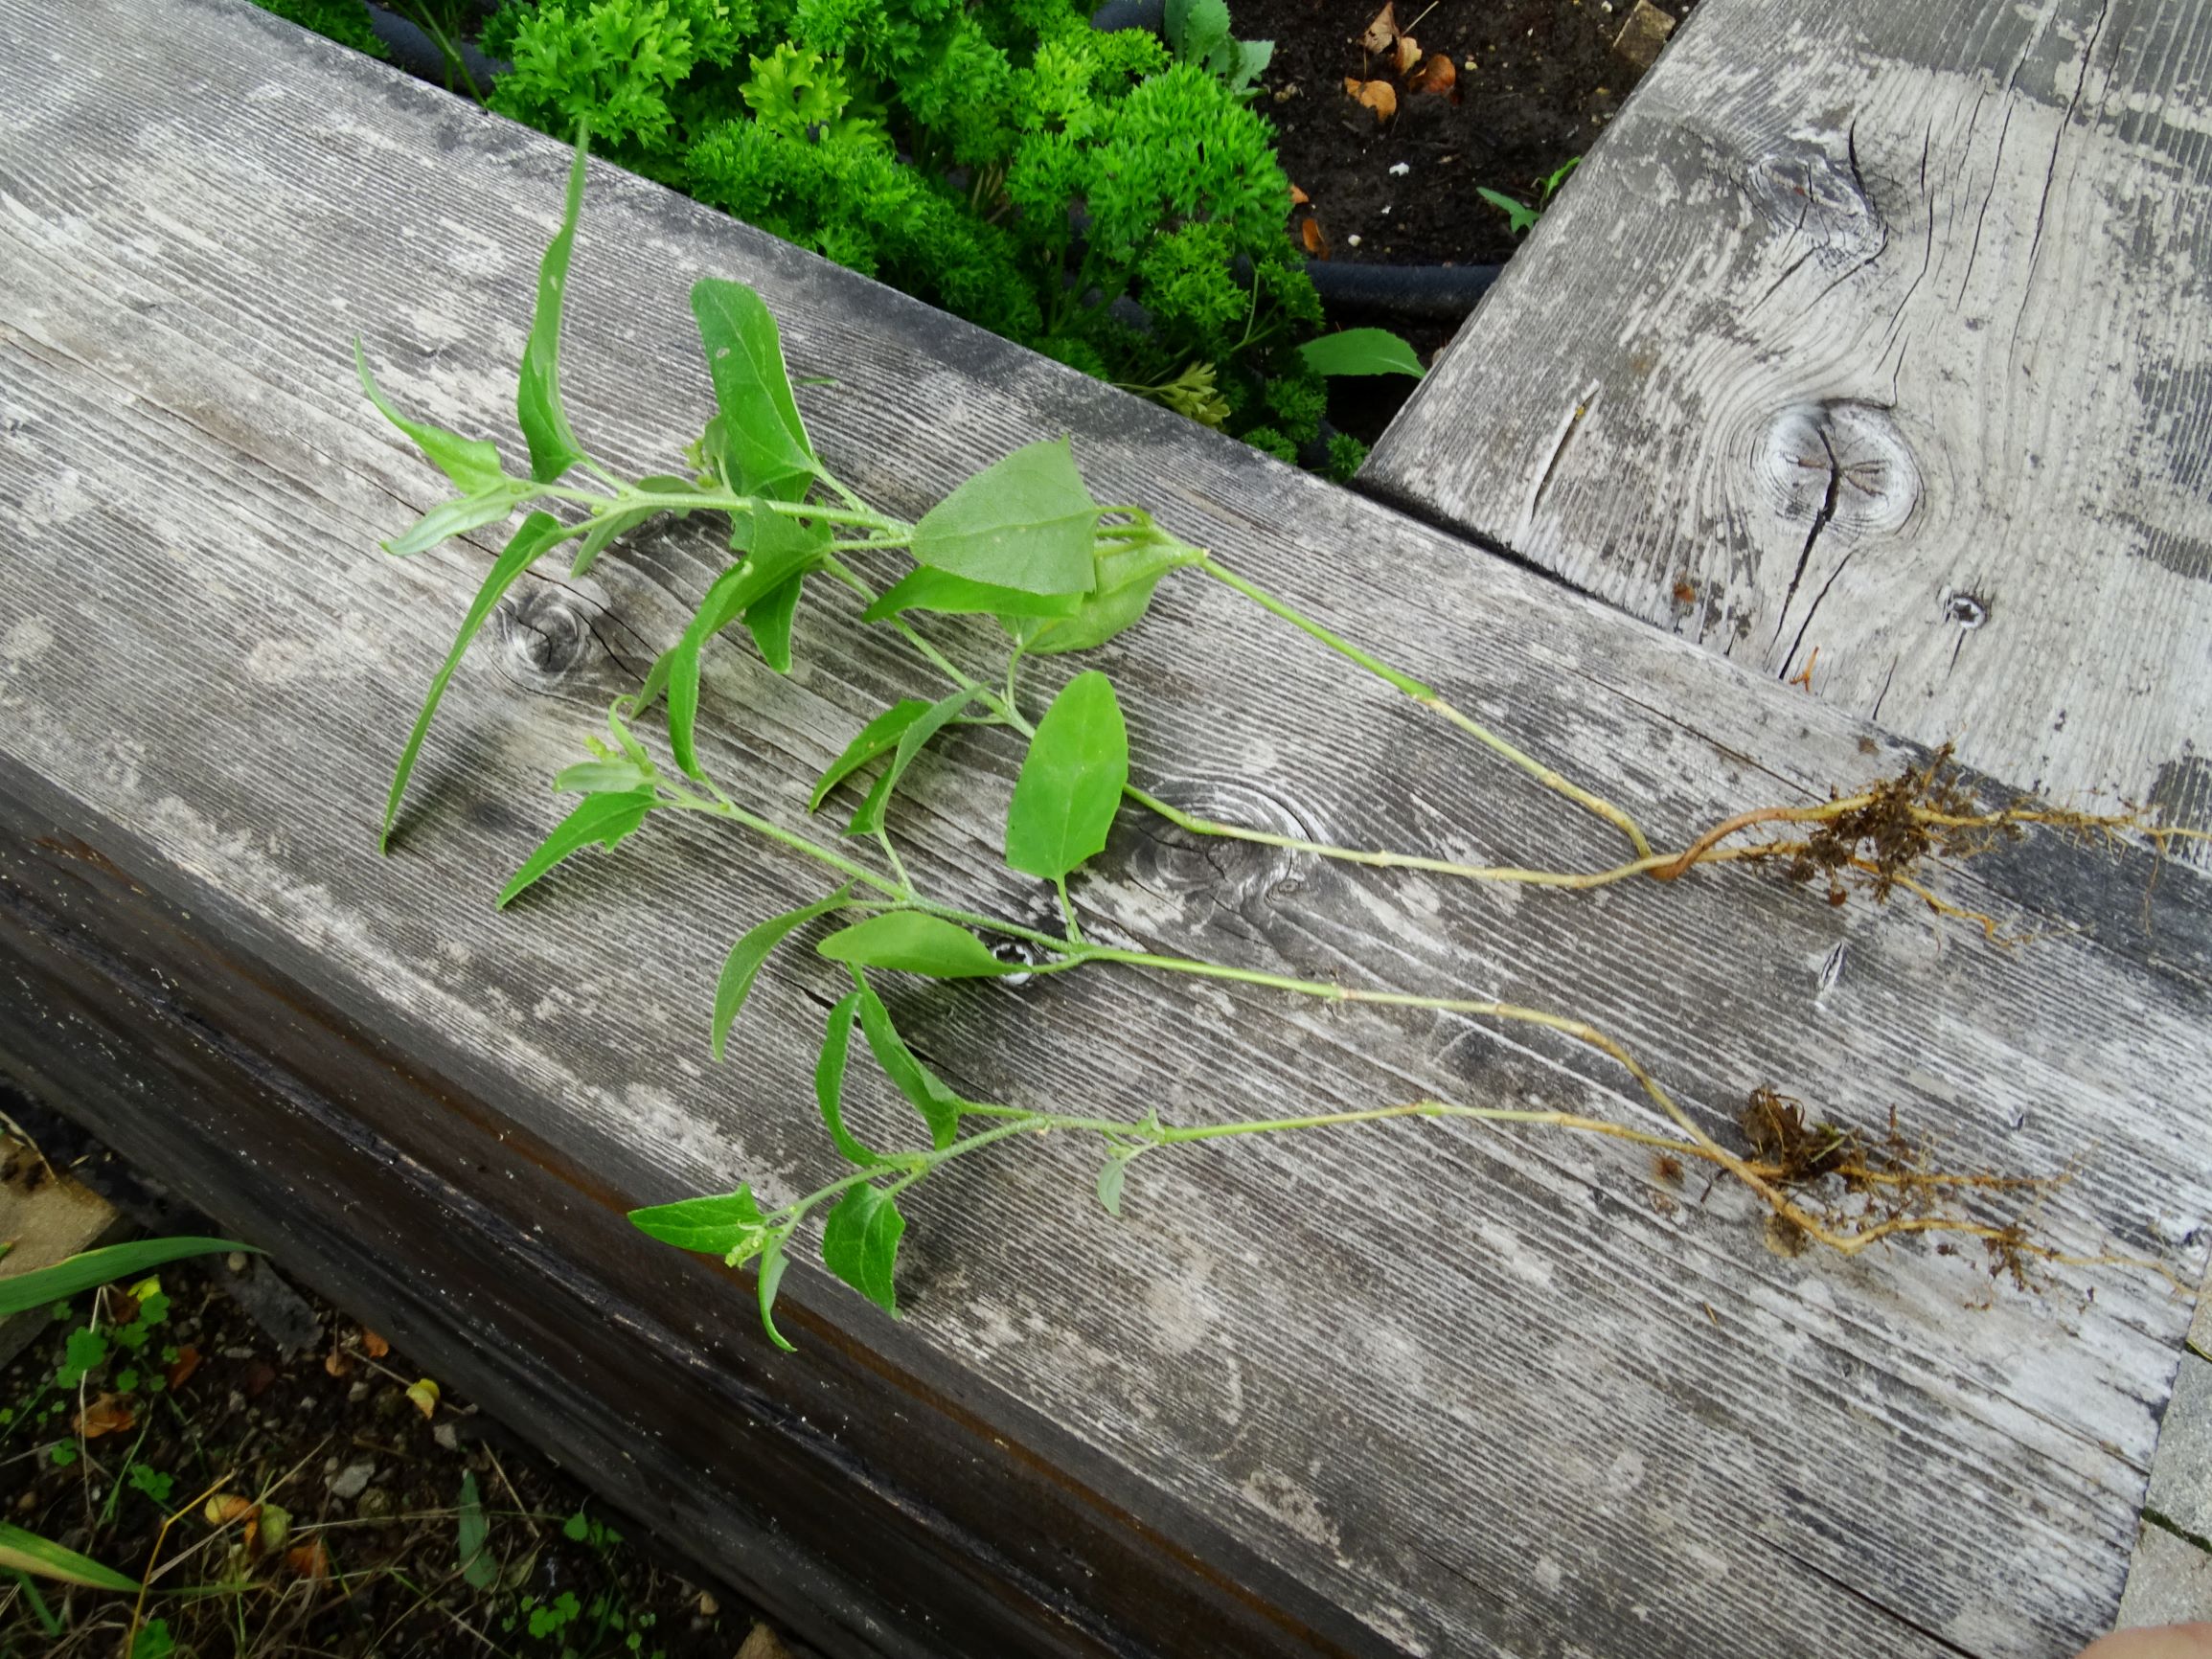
x,y
1519,217
1024,542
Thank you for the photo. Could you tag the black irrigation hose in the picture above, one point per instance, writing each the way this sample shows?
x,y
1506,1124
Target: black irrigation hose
x,y
414,51
1428,293
1150,15
1423,293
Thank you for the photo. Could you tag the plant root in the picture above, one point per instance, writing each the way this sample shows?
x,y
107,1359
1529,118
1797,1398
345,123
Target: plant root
x,y
1843,1190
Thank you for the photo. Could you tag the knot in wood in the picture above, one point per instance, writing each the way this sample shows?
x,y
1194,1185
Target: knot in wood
x,y
544,635
1818,198
1965,609
1230,872
1840,468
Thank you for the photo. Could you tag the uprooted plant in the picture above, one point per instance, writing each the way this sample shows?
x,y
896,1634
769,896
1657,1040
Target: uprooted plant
x,y
1024,542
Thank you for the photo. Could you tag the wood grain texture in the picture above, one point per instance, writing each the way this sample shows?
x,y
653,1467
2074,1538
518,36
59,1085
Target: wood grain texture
x,y
1881,332
1429,1391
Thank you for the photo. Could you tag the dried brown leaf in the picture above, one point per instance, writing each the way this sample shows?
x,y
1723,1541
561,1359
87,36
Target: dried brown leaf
x,y
1437,74
762,1643
224,1508
186,1363
309,1560
373,1344
1409,53
1380,97
1315,240
1382,32
106,1415
1298,197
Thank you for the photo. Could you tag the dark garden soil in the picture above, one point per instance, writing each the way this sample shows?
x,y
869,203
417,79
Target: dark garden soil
x,y
338,1498
1535,83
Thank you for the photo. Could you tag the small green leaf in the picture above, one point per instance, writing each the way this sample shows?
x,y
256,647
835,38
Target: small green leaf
x,y
773,1262
729,1225
1128,572
763,446
451,518
939,1106
742,966
769,620
25,1552
684,709
538,533
154,1640
85,1352
783,550
947,595
602,778
473,1538
1110,1178
1519,215
597,538
829,1082
1360,352
860,1244
602,820
868,818
1071,781
878,735
537,407
20,1292
911,943
1025,522
471,463
668,484
1196,28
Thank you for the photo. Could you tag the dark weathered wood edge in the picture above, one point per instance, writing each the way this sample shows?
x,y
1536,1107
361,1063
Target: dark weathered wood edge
x,y
817,1484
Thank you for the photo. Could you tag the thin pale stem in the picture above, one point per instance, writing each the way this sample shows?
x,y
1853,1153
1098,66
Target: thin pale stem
x,y
723,808
1848,1236
1429,697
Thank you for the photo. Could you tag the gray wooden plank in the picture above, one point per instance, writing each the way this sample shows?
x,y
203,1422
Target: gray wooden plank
x,y
1470,1388
1881,332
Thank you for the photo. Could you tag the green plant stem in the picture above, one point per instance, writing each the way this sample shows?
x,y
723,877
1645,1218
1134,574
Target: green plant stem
x,y
48,1623
894,533
839,571
1073,951
1385,860
912,1167
683,800
1429,697
1581,1031
899,892
630,499
1007,712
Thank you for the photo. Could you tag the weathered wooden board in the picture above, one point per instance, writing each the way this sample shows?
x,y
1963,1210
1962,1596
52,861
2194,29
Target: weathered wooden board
x,y
1428,1390
1881,332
